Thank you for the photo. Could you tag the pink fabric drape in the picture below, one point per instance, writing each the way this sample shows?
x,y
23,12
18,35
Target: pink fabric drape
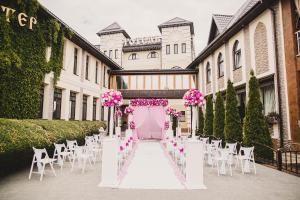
x,y
149,122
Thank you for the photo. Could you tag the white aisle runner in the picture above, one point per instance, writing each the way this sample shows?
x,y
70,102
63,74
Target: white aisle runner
x,y
150,169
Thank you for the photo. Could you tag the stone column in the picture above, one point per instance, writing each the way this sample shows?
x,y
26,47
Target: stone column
x,y
78,110
89,112
48,101
65,104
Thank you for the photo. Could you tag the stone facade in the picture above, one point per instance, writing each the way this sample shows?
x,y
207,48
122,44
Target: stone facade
x,y
221,84
238,75
261,49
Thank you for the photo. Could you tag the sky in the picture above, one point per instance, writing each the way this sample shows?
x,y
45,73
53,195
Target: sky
x,y
139,18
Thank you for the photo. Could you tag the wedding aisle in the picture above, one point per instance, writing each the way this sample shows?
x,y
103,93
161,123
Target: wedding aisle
x,y
150,169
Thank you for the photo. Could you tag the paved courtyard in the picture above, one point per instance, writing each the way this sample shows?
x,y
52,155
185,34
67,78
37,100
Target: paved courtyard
x,y
266,184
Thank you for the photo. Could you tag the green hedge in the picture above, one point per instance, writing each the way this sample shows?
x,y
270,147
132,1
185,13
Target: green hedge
x,y
17,137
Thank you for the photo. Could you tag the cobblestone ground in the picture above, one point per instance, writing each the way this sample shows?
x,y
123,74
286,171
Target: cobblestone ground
x,y
266,184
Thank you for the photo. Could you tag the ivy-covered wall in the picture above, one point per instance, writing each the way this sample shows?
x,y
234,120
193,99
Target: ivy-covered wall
x,y
22,58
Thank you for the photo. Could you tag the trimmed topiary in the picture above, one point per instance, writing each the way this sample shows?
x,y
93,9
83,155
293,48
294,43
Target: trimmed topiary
x,y
209,116
256,131
233,126
200,121
219,117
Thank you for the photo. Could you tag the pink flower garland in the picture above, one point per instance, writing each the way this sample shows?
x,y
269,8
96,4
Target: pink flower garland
x,y
149,102
167,125
193,97
112,98
118,113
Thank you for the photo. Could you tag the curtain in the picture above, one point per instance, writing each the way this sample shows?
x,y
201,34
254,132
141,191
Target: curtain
x,y
269,99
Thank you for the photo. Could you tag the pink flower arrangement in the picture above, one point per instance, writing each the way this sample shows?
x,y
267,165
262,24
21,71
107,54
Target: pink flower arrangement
x,y
118,113
167,125
149,102
128,110
193,97
181,150
112,98
132,126
177,114
121,148
170,111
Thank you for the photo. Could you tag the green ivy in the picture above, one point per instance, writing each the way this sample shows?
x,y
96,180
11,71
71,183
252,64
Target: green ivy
x,y
23,64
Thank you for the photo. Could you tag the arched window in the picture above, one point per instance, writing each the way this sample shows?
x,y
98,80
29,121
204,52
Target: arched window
x,y
220,65
236,52
152,54
132,56
208,73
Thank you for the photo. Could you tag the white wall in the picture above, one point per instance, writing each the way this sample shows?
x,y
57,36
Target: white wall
x,y
143,61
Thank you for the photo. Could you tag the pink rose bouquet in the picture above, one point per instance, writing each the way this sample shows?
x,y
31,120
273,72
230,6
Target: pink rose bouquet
x,y
193,97
118,113
128,110
112,98
170,111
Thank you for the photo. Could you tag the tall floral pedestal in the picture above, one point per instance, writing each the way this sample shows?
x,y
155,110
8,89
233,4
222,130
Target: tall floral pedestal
x,y
111,122
109,172
194,164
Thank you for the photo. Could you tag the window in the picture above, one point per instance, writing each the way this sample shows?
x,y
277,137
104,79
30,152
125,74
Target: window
x,y
116,54
183,48
75,61
57,103
236,55
105,52
220,65
110,54
87,68
72,105
175,48
168,49
84,107
96,73
133,56
298,42
94,108
152,54
208,73
268,99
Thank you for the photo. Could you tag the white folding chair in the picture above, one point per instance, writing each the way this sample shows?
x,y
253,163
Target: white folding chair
x,y
204,140
223,156
71,144
232,153
81,156
41,159
246,157
217,144
60,154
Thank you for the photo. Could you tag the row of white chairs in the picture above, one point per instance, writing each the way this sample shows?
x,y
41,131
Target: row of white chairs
x,y
71,152
224,158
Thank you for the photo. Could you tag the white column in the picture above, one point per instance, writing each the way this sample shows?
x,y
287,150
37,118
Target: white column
x,y
65,104
111,122
89,112
98,110
109,171
48,102
78,109
195,116
194,165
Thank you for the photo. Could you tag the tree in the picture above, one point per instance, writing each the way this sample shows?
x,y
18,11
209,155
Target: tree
x,y
256,131
200,121
209,116
233,126
219,117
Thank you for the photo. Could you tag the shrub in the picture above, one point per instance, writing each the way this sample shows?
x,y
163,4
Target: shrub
x,y
17,137
209,116
200,121
233,126
219,117
256,131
